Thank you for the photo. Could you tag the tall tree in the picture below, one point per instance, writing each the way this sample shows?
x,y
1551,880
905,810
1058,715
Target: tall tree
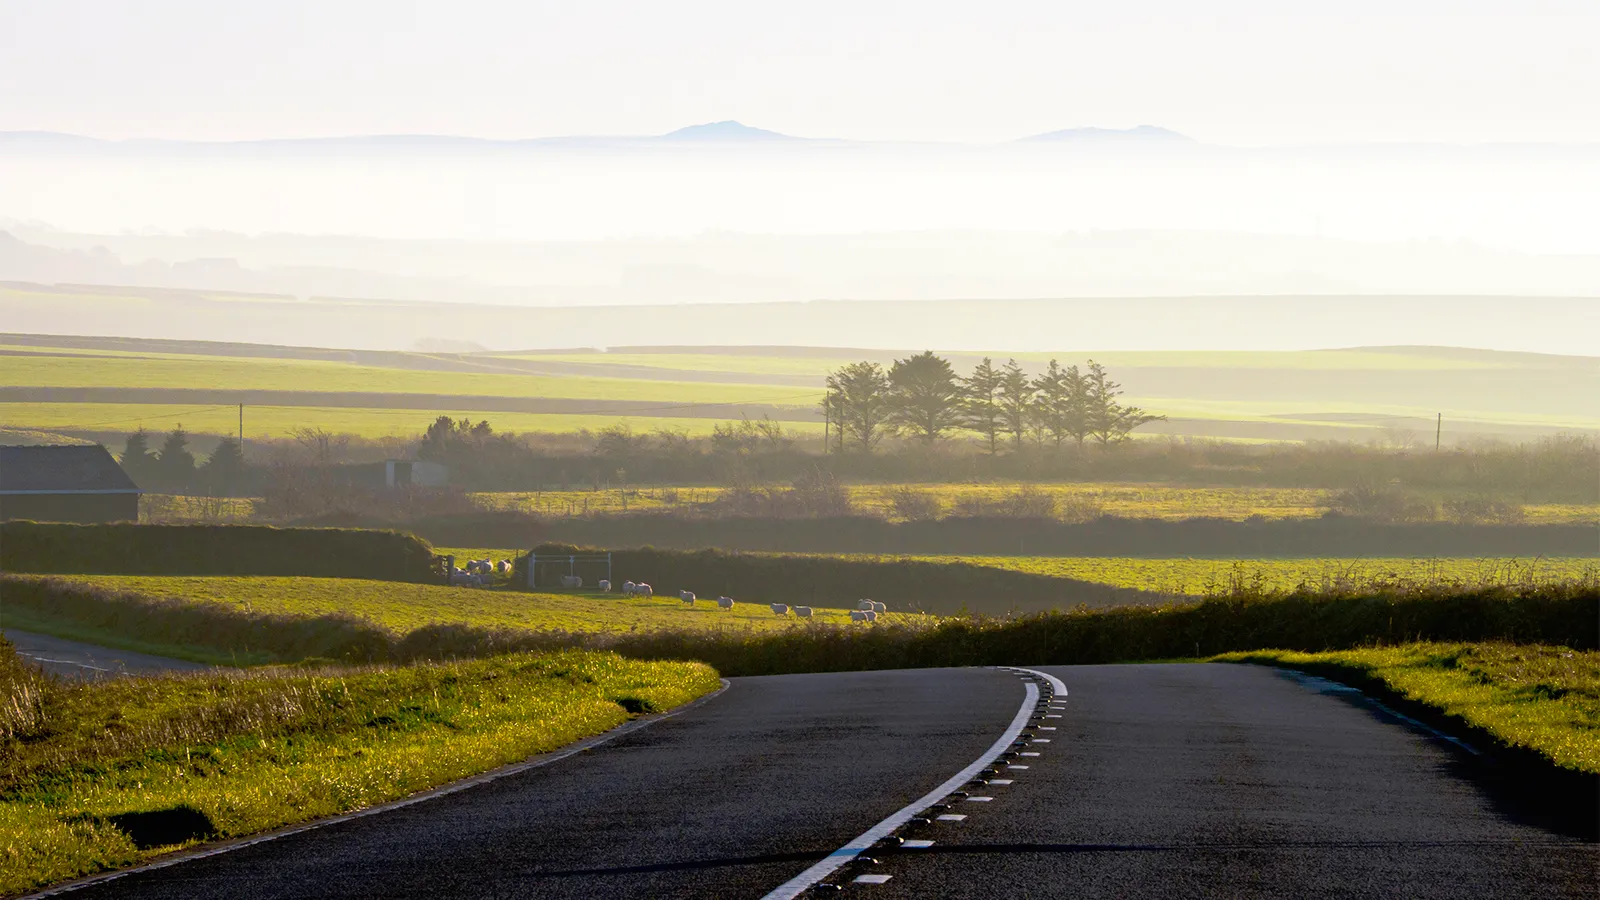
x,y
174,461
224,468
1016,402
1060,404
924,396
1109,421
136,458
861,400
980,403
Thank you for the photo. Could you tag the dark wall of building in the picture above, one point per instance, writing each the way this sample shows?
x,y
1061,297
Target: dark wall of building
x,y
70,507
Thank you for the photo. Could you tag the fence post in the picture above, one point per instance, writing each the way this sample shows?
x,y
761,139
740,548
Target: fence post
x,y
533,564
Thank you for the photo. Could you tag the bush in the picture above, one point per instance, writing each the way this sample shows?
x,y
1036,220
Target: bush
x,y
914,505
1382,504
129,549
1483,509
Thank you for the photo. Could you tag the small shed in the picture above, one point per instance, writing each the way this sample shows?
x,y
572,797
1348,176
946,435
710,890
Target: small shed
x,y
80,483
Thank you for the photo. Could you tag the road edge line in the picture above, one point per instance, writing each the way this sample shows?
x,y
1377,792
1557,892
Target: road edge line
x,y
444,790
859,844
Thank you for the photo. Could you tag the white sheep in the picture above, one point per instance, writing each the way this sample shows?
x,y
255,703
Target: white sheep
x,y
605,586
687,597
879,607
863,604
458,578
571,581
803,612
872,615
860,615
629,588
503,567
781,609
644,590
725,602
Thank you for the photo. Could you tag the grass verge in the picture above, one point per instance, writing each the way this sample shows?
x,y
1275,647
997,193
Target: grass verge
x,y
101,775
1541,699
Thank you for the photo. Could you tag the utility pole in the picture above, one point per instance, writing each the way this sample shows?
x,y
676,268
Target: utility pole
x,y
1438,432
241,428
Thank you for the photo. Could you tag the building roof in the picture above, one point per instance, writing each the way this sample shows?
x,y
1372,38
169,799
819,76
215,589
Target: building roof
x,y
78,469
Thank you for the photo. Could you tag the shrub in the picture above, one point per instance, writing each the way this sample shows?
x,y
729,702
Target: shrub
x,y
1483,509
1382,504
914,505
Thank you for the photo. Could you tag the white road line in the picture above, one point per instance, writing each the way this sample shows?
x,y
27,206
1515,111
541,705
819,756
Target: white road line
x,y
543,759
952,817
1016,767
842,856
917,845
999,781
873,879
979,799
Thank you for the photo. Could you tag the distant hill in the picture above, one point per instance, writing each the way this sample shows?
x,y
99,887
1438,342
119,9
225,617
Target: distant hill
x,y
1137,134
728,130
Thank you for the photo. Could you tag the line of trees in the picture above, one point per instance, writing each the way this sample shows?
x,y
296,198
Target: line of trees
x,y
173,467
921,398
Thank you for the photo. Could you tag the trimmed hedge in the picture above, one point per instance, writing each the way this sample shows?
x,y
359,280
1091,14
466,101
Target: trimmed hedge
x,y
1559,615
130,549
943,588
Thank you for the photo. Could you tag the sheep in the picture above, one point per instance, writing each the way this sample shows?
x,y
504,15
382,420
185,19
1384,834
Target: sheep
x,y
629,588
879,607
859,615
503,567
803,612
479,567
571,581
644,590
781,609
725,602
864,604
459,578
605,586
687,597
872,615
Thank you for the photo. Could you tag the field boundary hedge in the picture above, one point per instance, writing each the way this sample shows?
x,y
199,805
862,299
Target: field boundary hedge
x,y
906,585
1332,535
124,548
1557,615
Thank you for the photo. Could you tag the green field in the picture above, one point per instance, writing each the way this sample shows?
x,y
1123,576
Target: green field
x,y
1351,394
405,607
1203,576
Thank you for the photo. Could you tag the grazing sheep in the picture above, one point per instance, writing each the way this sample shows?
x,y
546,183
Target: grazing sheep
x,y
605,586
459,578
571,581
725,602
859,615
503,567
880,607
803,612
781,609
872,615
687,597
864,604
629,588
644,590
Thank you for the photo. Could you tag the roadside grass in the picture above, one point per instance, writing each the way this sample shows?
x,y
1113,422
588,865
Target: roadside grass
x,y
230,753
402,607
1539,698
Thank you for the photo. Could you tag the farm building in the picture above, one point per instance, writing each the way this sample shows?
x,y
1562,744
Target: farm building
x,y
393,473
65,484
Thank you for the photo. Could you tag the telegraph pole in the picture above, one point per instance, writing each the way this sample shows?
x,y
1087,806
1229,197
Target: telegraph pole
x,y
1438,432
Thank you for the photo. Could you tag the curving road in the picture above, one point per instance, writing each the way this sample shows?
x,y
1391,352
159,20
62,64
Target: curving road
x,y
1159,780
73,659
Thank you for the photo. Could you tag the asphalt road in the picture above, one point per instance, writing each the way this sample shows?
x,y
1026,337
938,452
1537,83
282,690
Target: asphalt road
x,y
76,660
1180,781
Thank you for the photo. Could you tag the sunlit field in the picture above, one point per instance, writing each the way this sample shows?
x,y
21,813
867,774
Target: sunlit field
x,y
405,607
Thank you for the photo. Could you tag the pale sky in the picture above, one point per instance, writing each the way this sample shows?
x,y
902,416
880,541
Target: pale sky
x,y
1227,71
